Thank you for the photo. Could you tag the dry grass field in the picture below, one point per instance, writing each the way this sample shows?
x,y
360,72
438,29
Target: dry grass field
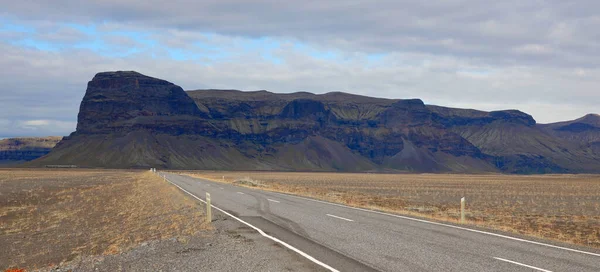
x,y
558,207
51,216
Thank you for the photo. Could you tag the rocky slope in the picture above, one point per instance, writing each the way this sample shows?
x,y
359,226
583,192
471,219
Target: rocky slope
x,y
18,150
130,120
583,132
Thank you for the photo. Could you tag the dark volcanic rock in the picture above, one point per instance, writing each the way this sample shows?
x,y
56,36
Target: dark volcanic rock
x,y
304,108
18,150
583,132
118,101
131,120
449,117
411,112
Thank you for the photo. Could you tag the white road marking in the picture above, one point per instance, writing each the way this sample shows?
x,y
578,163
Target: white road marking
x,y
446,225
311,258
272,200
221,188
441,224
240,193
338,217
528,266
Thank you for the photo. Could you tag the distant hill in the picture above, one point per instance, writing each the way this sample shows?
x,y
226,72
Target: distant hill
x,y
18,150
127,120
583,132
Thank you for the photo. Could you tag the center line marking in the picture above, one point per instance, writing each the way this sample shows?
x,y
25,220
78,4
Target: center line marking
x,y
222,188
440,224
240,193
272,200
311,258
528,266
340,217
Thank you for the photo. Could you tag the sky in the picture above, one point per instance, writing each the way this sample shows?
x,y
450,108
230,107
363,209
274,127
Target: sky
x,y
540,57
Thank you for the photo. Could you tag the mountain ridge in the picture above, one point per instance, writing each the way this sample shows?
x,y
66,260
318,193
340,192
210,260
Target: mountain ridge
x,y
158,124
21,149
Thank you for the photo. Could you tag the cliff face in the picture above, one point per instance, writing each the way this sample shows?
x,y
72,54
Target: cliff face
x,y
130,120
129,101
17,150
374,129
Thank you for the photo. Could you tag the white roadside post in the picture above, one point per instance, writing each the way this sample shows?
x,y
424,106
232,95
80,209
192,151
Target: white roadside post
x,y
208,211
462,210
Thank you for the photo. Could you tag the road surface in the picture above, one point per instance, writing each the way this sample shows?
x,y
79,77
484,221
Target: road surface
x,y
349,239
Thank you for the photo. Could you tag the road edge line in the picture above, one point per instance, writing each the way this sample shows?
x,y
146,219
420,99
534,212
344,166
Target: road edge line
x,y
522,264
339,217
445,225
261,232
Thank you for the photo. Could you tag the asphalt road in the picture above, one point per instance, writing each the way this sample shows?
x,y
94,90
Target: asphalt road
x,y
350,239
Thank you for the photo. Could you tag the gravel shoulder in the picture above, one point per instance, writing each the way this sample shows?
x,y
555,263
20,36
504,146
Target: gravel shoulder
x,y
122,220
230,246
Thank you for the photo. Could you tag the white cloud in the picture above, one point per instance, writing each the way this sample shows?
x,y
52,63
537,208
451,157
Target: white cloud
x,y
34,124
46,127
468,28
535,49
539,57
439,80
63,34
580,72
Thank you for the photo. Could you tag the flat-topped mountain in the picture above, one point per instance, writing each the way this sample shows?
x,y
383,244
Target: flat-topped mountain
x,y
18,150
127,120
128,101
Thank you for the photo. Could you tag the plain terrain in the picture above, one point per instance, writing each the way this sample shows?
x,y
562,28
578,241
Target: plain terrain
x,y
557,207
52,216
121,220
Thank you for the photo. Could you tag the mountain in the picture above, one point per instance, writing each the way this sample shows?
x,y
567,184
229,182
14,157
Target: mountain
x,y
18,150
584,132
129,120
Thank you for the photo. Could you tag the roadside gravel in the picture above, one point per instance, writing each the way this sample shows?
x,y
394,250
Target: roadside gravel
x,y
231,246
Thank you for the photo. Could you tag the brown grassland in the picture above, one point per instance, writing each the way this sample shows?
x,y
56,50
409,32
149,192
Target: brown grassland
x,y
51,216
557,207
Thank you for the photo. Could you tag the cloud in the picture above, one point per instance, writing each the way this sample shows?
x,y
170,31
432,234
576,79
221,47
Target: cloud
x,y
33,124
64,35
537,57
534,49
476,29
52,84
21,128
